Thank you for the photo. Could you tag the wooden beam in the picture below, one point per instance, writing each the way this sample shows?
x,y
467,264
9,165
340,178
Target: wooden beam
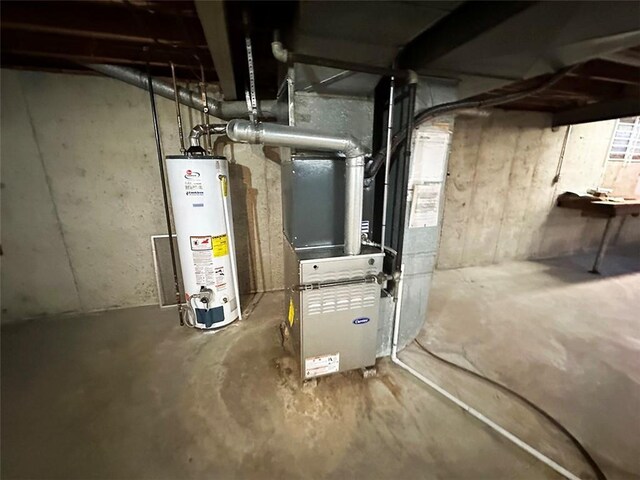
x,y
624,107
462,26
214,25
94,20
44,45
610,72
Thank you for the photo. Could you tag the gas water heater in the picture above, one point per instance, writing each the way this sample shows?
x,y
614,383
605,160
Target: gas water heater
x,y
201,204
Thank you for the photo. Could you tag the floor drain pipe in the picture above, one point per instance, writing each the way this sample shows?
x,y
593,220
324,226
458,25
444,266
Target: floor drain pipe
x,y
467,408
354,153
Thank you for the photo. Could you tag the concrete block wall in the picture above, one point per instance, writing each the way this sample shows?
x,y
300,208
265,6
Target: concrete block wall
x,y
81,196
500,196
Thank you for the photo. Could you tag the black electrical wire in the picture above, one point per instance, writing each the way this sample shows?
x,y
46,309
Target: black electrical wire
x,y
444,108
583,451
377,160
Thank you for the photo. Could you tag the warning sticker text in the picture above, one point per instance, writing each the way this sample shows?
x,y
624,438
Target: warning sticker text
x,y
220,246
321,365
201,243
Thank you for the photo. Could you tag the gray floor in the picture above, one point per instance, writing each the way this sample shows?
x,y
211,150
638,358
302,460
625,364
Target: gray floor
x,y
129,394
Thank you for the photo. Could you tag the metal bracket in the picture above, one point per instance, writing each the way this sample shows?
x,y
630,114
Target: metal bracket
x,y
252,101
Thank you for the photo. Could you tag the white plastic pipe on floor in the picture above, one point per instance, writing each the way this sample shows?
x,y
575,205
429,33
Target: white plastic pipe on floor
x,y
467,408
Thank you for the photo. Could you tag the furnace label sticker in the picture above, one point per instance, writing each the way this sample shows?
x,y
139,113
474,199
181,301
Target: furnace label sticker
x,y
292,312
200,243
425,206
220,246
321,365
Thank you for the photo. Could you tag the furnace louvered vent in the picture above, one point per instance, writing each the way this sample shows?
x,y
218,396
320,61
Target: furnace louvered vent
x,y
339,299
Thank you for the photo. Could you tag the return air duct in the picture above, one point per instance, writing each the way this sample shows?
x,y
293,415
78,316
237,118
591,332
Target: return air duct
x,y
285,136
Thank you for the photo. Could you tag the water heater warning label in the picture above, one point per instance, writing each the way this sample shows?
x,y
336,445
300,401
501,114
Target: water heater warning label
x,y
200,243
321,365
220,246
203,267
221,279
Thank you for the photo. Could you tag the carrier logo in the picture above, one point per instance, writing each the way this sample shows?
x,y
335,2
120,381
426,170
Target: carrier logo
x,y
361,320
190,174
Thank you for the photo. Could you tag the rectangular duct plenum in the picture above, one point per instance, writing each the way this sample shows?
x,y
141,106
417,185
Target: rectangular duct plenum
x,y
313,191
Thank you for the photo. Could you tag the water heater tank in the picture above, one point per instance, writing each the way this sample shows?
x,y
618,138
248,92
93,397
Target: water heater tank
x,y
203,221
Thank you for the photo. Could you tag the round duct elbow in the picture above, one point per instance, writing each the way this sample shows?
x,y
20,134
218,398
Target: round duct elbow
x,y
353,148
279,52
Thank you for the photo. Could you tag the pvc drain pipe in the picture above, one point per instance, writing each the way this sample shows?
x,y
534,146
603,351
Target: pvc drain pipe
x,y
467,408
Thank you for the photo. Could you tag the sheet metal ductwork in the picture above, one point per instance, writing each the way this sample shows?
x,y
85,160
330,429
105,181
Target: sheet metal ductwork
x,y
285,136
223,110
201,130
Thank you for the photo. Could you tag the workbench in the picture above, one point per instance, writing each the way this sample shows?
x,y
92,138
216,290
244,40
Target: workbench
x,y
599,208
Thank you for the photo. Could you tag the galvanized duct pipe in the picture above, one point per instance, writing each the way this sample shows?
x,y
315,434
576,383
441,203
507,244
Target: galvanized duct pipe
x,y
224,110
285,136
210,129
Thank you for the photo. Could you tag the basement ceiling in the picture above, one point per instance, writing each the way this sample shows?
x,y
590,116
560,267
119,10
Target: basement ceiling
x,y
61,36
490,48
613,87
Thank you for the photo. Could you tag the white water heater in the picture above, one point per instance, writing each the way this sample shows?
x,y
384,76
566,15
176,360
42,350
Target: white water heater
x,y
199,186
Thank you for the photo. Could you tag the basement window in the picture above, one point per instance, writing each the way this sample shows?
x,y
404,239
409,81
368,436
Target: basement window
x,y
625,143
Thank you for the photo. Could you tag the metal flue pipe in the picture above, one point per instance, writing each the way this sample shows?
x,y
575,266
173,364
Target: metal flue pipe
x,y
224,110
285,136
205,129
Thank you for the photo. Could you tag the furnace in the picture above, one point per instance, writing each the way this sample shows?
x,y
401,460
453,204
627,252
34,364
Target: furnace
x,y
333,306
333,279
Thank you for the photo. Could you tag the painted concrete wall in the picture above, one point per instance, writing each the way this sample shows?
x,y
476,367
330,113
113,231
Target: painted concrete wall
x,y
500,196
81,196
622,178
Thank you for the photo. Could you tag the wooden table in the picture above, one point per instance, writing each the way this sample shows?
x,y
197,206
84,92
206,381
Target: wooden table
x,y
594,207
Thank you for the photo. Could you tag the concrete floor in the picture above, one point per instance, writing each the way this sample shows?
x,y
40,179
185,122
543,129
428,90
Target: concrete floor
x,y
564,338
130,394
